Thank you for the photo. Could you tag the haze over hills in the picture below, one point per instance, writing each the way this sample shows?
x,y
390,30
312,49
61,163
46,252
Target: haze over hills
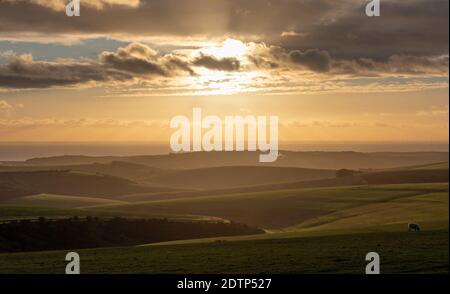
x,y
237,176
315,160
14,184
134,185
203,178
127,170
285,201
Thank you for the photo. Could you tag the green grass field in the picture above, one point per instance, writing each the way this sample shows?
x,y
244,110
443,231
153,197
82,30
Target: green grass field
x,y
320,230
429,209
61,201
306,211
425,252
14,212
443,165
289,208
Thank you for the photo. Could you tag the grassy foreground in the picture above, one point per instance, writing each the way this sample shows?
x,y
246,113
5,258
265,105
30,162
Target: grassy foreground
x,y
323,230
424,252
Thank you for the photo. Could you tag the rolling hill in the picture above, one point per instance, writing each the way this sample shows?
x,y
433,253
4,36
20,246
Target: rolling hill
x,y
143,183
284,208
60,201
237,176
127,170
314,160
335,228
15,184
436,166
395,176
344,223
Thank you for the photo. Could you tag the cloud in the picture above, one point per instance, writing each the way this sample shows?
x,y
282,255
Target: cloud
x,y
126,64
24,72
341,28
394,65
326,45
257,67
313,59
144,62
81,122
6,109
59,5
414,28
321,61
140,59
434,111
213,63
274,57
129,64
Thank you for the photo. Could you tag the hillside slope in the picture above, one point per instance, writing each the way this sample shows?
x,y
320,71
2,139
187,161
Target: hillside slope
x,y
283,208
237,176
15,184
127,170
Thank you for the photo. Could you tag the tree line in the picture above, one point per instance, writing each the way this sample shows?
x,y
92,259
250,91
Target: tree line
x,y
93,232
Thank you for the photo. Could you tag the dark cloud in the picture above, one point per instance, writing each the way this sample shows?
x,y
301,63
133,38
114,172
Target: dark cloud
x,y
274,57
140,59
213,63
413,27
313,59
135,58
133,61
24,72
320,61
138,62
395,65
174,63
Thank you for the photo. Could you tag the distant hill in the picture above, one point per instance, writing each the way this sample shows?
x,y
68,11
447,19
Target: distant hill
x,y
433,166
127,170
237,176
315,160
71,160
14,184
137,182
407,176
204,178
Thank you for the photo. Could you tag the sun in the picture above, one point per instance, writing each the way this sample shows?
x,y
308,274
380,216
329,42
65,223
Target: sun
x,y
216,82
229,48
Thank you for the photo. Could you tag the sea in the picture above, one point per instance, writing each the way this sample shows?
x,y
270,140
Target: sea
x,y
20,151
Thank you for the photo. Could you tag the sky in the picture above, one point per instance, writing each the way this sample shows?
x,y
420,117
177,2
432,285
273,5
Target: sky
x,y
123,69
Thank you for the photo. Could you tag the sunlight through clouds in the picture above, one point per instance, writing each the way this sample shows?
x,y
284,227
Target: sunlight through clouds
x,y
128,58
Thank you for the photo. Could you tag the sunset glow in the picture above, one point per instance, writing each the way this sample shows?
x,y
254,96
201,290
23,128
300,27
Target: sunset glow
x,y
325,82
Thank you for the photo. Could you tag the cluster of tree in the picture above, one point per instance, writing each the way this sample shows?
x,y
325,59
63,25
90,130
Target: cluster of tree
x,y
92,232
